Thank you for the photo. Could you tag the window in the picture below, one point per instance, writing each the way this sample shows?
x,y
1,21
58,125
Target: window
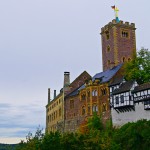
x,y
95,108
117,100
107,35
94,93
56,114
88,93
59,111
122,98
83,110
89,109
108,48
108,62
104,107
129,59
123,59
104,91
48,119
71,104
125,34
83,96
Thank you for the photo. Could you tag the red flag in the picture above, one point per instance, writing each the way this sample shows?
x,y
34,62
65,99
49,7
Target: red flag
x,y
113,7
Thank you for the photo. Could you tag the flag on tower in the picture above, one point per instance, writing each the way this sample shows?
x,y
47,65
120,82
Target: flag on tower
x,y
113,7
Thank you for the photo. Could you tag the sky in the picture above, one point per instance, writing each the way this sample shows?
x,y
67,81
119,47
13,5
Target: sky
x,y
40,40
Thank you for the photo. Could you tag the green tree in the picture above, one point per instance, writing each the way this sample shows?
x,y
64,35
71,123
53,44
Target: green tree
x,y
133,136
139,68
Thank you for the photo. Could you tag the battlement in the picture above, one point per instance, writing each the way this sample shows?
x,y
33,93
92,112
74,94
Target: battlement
x,y
120,23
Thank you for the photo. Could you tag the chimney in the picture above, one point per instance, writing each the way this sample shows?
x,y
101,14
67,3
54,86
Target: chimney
x,y
66,79
49,96
54,94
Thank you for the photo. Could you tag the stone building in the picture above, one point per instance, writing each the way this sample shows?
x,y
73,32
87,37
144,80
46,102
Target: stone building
x,y
91,97
86,94
55,109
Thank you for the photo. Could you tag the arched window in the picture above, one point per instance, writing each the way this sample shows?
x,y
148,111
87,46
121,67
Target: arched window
x,y
83,96
83,110
104,107
88,93
104,91
129,59
94,93
108,48
123,59
95,108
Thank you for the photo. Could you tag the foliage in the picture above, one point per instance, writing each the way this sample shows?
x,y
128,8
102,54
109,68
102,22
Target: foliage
x,y
139,68
133,136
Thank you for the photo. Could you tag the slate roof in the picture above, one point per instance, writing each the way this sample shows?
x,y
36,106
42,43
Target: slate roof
x,y
116,81
125,87
107,75
141,87
75,92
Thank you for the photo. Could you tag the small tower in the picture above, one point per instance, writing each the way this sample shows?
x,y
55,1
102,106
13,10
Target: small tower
x,y
118,43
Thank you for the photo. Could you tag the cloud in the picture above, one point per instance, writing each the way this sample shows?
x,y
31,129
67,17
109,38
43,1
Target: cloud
x,y
18,120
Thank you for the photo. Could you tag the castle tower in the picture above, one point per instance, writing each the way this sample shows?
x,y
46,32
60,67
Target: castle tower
x,y
118,43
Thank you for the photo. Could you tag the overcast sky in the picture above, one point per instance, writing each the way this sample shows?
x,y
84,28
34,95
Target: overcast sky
x,y
40,39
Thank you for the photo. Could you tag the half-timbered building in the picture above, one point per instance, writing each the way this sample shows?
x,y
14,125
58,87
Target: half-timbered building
x,y
129,102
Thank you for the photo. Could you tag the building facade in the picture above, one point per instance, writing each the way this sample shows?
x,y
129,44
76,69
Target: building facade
x,y
55,109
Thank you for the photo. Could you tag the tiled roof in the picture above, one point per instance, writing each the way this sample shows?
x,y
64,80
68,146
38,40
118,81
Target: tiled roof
x,y
107,75
125,87
142,87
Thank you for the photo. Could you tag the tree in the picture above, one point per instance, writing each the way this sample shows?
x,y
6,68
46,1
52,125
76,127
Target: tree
x,y
139,68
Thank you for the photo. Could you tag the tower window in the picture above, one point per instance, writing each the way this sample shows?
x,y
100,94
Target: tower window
x,y
108,62
125,34
107,35
108,48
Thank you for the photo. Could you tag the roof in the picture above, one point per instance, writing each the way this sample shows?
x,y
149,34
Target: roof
x,y
104,76
142,87
116,81
107,75
74,93
125,87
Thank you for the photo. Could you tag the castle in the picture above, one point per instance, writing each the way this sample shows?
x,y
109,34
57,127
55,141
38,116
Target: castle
x,y
106,93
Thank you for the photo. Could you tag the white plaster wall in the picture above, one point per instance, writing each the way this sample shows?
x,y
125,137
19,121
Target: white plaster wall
x,y
122,118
